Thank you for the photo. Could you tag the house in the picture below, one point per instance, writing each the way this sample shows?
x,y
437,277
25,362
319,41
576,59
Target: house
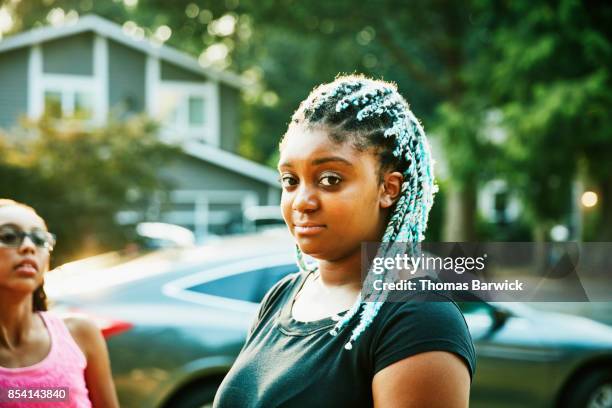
x,y
92,67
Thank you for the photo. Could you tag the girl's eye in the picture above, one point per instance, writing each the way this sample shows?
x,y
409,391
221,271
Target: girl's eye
x,y
9,237
39,238
330,180
288,181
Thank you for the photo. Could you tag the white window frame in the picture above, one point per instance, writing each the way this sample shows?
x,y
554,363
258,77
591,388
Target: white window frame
x,y
68,86
182,130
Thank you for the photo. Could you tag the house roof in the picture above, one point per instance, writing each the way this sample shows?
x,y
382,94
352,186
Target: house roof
x,y
114,31
232,162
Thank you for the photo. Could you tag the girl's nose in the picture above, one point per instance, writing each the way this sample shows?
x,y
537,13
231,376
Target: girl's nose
x,y
305,200
27,245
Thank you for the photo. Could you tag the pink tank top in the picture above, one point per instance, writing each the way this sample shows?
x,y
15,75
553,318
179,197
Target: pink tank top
x,y
64,366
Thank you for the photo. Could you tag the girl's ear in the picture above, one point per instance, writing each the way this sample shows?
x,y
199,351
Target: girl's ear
x,y
391,188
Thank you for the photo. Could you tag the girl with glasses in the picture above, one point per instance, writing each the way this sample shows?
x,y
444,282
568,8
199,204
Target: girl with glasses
x,y
355,167
44,360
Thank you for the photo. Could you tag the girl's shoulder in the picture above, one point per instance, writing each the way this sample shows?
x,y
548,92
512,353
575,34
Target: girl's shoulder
x,y
274,299
280,289
423,322
424,314
84,332
423,302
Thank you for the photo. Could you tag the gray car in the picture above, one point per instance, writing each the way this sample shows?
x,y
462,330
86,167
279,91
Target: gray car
x,y
175,320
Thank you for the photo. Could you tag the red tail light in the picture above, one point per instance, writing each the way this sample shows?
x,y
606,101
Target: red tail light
x,y
114,327
109,327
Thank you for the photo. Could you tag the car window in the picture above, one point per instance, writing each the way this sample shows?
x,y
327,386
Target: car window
x,y
250,286
271,276
478,316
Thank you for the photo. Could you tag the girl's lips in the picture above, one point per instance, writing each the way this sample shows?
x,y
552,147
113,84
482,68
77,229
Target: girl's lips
x,y
26,269
308,229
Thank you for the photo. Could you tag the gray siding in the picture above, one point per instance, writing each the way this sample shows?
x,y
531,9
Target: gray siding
x,y
13,86
188,173
171,72
230,118
126,79
69,55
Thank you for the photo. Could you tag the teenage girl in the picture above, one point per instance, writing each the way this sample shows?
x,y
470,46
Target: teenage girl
x,y
40,351
355,167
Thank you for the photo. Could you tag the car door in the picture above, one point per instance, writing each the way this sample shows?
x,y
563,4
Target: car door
x,y
512,367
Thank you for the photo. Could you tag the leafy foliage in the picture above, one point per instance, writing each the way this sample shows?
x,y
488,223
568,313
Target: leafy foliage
x,y
540,69
548,70
79,178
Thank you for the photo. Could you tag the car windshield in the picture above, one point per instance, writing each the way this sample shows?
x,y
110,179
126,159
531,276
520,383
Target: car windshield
x,y
249,286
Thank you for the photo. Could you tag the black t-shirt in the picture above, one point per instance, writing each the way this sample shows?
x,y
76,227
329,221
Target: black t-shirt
x,y
289,363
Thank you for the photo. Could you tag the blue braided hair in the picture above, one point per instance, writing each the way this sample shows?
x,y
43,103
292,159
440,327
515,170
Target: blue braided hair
x,y
372,114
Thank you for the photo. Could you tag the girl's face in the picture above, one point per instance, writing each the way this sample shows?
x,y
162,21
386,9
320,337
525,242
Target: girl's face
x,y
22,268
332,197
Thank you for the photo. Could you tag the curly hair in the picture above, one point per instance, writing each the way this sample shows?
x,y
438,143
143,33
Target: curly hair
x,y
371,114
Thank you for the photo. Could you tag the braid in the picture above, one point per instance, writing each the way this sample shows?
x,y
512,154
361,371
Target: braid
x,y
372,114
304,267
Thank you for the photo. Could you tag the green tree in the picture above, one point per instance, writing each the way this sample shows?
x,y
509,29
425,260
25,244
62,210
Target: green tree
x,y
547,67
428,48
291,46
78,179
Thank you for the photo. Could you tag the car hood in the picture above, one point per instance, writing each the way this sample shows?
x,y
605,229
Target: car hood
x,y
561,329
575,330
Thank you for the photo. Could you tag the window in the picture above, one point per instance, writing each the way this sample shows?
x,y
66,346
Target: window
x,y
197,113
271,276
187,111
250,286
68,97
53,104
183,110
170,102
68,103
241,286
83,105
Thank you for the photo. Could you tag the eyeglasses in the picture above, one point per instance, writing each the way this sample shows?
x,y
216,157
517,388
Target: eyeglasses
x,y
12,237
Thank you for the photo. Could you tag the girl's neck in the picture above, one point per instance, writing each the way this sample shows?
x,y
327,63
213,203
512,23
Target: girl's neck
x,y
345,272
16,319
